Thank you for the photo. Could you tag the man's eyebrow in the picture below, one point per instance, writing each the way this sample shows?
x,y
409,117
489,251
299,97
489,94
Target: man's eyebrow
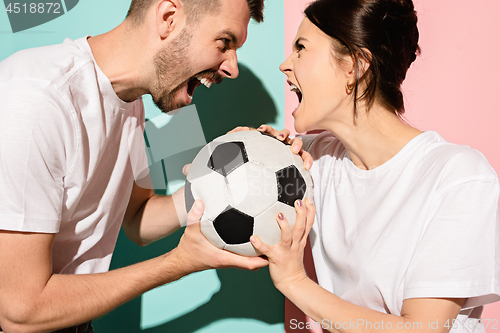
x,y
232,36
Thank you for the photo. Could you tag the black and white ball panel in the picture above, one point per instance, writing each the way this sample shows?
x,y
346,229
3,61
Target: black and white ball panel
x,y
274,157
291,185
207,228
199,166
245,249
270,233
234,226
252,188
218,198
245,179
227,157
299,164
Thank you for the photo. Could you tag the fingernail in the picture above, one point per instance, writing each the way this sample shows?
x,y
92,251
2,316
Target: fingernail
x,y
295,149
299,203
261,127
281,136
280,216
252,239
308,165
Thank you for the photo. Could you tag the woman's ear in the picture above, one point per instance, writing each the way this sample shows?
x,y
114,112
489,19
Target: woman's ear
x,y
356,70
364,60
363,64
169,14
349,65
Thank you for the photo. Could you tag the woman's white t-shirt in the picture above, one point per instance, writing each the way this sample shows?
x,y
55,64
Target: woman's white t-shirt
x,y
423,224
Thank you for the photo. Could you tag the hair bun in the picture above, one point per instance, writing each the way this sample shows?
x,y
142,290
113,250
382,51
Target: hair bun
x,y
408,4
400,21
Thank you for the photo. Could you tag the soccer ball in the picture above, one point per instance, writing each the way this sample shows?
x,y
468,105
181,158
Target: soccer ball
x,y
245,179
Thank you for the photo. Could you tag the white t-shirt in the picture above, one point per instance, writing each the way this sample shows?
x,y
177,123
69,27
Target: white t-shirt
x,y
423,224
64,154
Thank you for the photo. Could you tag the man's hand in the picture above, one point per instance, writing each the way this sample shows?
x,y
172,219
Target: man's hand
x,y
195,253
283,135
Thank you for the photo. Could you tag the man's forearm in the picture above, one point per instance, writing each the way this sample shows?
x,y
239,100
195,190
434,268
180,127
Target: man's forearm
x,y
158,217
32,299
68,300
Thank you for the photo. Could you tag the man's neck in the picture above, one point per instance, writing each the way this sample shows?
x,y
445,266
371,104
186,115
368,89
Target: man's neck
x,y
118,54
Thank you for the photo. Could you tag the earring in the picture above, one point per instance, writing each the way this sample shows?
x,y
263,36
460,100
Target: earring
x,y
348,88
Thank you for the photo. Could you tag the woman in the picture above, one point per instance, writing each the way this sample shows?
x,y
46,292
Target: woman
x,y
406,235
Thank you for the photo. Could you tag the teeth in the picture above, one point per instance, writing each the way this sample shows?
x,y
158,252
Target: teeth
x,y
190,97
294,88
206,82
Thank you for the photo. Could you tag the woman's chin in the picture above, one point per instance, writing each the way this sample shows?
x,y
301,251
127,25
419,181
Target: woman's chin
x,y
298,122
299,127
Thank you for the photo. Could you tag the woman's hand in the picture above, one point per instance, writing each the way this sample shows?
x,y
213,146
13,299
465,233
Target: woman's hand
x,y
283,135
286,258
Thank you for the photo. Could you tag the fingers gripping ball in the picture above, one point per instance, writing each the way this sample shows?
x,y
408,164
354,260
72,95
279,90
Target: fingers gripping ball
x,y
245,179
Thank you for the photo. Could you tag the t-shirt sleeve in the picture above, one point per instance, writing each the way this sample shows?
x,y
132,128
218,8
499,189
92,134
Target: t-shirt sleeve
x,y
458,254
320,144
33,157
307,140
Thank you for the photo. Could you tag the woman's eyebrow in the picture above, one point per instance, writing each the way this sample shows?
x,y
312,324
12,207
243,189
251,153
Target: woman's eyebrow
x,y
298,41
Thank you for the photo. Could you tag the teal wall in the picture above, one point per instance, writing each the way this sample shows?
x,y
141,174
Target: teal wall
x,y
216,300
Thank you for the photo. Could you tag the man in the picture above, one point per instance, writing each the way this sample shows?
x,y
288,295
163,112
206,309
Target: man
x,y
66,183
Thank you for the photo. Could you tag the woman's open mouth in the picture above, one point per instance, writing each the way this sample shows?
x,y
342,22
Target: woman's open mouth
x,y
297,91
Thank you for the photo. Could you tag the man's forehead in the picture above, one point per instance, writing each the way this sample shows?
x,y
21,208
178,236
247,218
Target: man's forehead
x,y
230,22
235,10
237,7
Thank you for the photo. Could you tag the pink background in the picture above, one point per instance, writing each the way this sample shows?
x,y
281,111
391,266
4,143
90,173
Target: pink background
x,y
452,88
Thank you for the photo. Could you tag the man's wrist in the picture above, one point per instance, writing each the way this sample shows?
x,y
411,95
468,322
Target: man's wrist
x,y
176,265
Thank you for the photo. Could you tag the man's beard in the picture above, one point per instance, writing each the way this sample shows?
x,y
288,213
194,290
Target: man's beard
x,y
172,65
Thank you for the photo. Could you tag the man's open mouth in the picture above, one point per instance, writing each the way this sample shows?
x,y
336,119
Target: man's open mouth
x,y
195,81
206,80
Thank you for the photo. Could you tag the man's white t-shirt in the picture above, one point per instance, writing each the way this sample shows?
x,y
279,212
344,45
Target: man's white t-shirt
x,y
65,166
423,224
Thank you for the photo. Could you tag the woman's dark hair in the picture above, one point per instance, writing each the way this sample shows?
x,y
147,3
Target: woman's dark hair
x,y
387,29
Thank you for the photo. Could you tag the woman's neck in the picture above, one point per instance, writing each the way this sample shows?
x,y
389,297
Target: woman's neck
x,y
374,136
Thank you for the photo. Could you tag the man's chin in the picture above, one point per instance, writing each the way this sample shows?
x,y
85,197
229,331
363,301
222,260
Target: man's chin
x,y
168,106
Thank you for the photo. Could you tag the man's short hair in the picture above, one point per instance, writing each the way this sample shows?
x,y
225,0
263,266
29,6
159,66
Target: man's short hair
x,y
194,9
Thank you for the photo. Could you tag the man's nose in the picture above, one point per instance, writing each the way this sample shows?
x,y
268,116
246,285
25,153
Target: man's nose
x,y
229,67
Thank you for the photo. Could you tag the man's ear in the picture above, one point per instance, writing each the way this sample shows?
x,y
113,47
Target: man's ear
x,y
169,15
